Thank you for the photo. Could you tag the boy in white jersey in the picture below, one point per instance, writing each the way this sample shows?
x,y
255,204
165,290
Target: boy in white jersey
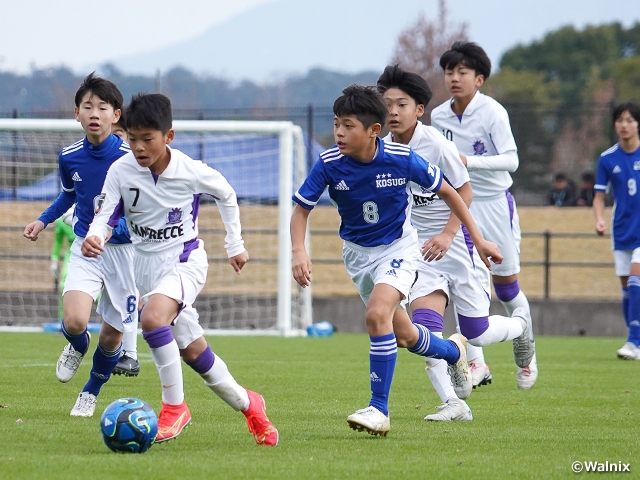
x,y
479,126
159,189
617,167
128,364
367,180
83,167
450,270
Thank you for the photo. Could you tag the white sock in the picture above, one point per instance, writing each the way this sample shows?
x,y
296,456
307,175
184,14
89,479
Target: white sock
x,y
220,380
519,300
167,360
500,329
130,339
439,376
475,354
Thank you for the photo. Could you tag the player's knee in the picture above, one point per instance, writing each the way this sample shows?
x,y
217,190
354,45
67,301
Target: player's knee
x,y
377,318
75,323
151,319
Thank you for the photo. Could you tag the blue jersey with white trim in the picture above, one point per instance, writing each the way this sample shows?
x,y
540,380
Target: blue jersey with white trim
x,y
622,171
83,168
372,197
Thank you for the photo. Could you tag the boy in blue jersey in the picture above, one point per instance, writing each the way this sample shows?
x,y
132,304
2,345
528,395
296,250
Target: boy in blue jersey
x,y
83,167
619,167
367,180
128,364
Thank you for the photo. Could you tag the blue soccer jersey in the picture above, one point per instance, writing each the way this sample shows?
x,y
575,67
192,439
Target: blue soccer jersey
x,y
622,171
83,168
372,197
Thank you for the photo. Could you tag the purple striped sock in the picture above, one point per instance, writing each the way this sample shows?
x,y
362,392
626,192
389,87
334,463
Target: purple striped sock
x,y
204,362
159,337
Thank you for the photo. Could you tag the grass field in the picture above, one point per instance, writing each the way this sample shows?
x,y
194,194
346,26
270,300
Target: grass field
x,y
583,408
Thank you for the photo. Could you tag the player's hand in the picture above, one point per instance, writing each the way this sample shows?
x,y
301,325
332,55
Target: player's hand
x,y
301,268
489,251
92,247
239,261
54,268
436,247
601,227
464,159
32,230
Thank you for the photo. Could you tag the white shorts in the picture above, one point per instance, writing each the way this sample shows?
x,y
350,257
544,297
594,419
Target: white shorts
x,y
110,274
460,274
179,273
393,264
497,218
623,260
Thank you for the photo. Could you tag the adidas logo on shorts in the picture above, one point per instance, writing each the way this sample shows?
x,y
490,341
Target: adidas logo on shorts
x,y
392,272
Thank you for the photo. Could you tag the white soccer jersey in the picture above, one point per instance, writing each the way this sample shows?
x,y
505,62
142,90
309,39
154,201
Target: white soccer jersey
x,y
428,211
483,135
162,210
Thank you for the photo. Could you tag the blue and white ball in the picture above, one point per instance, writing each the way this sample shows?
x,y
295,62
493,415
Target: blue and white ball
x,y
129,425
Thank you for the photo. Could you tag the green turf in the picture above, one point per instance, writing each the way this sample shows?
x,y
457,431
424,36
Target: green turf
x,y
585,406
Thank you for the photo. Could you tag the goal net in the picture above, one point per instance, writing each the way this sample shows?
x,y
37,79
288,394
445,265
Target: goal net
x,y
264,162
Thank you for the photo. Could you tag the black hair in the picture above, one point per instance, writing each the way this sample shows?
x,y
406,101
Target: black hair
x,y
149,110
365,103
102,88
411,83
560,177
629,106
469,54
588,176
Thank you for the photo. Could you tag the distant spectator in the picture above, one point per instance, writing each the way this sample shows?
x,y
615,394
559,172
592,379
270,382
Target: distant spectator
x,y
587,184
563,192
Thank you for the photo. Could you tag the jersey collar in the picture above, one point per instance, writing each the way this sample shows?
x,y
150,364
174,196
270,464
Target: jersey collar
x,y
473,104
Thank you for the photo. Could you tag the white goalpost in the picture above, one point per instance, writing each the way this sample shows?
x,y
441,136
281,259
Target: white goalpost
x,y
263,160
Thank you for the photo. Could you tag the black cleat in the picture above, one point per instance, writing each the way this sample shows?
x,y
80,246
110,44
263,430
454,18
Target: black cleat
x,y
127,366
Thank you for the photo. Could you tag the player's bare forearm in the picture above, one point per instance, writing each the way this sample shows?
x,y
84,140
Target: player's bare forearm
x,y
301,265
466,193
239,261
598,212
32,230
92,246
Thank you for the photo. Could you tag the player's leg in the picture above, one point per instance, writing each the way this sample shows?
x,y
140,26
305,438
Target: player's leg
x,y
197,353
633,288
128,363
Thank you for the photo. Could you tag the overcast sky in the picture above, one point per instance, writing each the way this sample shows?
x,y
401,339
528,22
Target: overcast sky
x,y
81,34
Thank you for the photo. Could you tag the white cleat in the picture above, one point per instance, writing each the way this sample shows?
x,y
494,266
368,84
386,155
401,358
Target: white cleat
x,y
452,410
85,405
69,362
370,420
629,352
459,371
527,376
480,374
524,346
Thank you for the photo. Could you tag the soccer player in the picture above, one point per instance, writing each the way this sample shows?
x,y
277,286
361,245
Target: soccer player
x,y
367,180
128,364
63,231
618,167
159,189
479,126
450,271
83,167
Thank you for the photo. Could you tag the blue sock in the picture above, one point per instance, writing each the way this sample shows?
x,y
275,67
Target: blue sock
x,y
80,343
625,305
633,285
431,346
382,361
104,362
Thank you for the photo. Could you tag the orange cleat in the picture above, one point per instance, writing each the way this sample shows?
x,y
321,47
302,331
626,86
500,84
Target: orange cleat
x,y
171,421
259,425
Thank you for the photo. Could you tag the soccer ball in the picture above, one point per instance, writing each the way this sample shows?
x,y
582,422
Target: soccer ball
x,y
129,425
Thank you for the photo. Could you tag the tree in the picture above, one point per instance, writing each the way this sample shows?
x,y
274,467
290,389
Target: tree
x,y
421,45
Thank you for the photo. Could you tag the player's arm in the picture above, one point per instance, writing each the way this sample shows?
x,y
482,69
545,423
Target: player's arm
x,y
486,249
600,187
502,138
212,182
301,267
105,220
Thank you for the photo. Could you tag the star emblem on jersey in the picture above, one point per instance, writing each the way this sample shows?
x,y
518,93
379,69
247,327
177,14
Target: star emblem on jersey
x,y
385,180
76,177
174,216
636,165
478,148
342,185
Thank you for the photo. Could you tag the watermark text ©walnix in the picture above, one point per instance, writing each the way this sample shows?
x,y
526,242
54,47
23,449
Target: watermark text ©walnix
x,y
607,466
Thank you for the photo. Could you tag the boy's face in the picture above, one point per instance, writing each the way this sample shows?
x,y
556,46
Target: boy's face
x,y
96,117
119,131
149,145
351,136
403,111
626,126
462,81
